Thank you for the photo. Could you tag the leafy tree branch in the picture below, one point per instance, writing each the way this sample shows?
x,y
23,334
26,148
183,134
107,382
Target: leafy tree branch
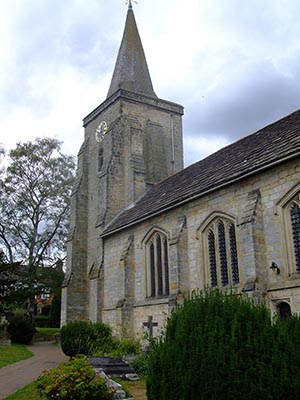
x,y
35,192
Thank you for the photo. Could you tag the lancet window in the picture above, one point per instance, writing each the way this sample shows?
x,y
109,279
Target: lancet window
x,y
157,265
100,159
289,210
295,229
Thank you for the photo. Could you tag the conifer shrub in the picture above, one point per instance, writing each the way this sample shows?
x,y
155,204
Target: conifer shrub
x,y
220,346
141,364
82,337
74,379
55,312
21,330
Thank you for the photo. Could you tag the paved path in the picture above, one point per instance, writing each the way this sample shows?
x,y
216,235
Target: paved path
x,y
47,355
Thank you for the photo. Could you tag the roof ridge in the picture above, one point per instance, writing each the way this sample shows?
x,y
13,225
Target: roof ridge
x,y
247,156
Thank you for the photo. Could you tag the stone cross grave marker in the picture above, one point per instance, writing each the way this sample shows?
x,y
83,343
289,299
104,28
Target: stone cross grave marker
x,y
150,325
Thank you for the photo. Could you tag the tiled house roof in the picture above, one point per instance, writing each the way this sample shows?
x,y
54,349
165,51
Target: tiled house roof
x,y
271,145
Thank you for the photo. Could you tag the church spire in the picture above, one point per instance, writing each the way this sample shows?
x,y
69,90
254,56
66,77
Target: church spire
x,y
131,69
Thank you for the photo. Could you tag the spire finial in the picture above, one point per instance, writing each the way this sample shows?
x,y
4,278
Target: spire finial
x,y
129,2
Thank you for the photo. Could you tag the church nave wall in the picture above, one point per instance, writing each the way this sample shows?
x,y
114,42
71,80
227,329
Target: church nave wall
x,y
247,208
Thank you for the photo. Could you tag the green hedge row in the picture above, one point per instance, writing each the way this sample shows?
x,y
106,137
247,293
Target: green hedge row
x,y
83,337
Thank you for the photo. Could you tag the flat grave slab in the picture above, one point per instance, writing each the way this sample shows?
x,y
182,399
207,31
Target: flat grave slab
x,y
113,366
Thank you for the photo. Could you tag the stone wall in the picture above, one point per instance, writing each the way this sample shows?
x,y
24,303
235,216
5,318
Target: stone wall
x,y
252,204
142,145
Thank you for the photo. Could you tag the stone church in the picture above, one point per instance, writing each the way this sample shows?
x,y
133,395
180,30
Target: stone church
x,y
144,232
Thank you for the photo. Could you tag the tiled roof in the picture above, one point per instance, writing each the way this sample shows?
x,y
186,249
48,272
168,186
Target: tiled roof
x,y
270,145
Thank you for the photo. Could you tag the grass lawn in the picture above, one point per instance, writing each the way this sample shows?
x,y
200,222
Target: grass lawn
x,y
137,390
26,393
13,353
17,352
45,334
48,331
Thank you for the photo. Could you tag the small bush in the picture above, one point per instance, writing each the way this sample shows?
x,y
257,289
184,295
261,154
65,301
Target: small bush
x,y
125,347
21,330
55,312
74,379
82,337
141,364
18,313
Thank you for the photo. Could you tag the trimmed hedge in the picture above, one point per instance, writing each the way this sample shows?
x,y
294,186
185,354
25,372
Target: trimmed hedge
x,y
220,346
82,337
21,330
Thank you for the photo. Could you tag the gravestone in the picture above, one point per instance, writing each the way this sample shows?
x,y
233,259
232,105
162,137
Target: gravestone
x,y
112,366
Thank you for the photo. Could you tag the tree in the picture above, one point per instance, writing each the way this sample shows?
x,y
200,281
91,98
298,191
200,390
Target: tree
x,y
2,155
35,194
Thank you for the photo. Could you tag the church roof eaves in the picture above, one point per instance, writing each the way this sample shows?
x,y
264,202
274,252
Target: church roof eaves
x,y
274,144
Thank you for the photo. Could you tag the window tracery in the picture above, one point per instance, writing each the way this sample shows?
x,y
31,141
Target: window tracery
x,y
157,266
295,226
222,257
289,210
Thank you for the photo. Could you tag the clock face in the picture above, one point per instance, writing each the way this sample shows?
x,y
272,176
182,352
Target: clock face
x,y
100,131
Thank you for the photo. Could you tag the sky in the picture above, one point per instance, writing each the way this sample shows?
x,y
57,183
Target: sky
x,y
234,65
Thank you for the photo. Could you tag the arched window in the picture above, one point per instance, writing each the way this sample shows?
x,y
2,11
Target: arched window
x,y
289,210
284,310
220,249
157,265
289,207
295,227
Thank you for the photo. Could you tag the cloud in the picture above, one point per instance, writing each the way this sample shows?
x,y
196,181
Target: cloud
x,y
245,102
197,148
233,65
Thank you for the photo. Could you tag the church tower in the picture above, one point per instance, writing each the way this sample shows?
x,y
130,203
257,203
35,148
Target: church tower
x,y
132,141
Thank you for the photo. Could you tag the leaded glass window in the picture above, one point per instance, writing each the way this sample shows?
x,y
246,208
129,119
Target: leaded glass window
x,y
295,223
222,253
289,209
152,270
158,266
212,258
233,254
